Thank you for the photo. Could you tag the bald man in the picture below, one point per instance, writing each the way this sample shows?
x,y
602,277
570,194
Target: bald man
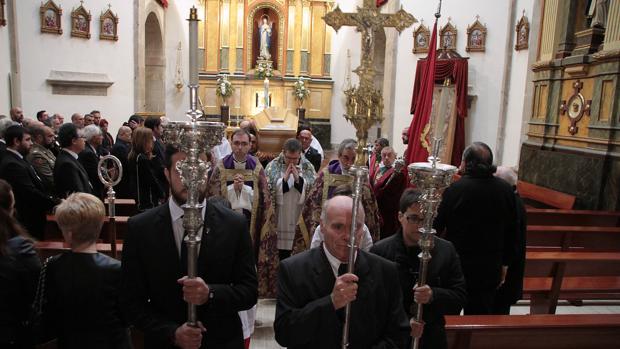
x,y
17,115
314,289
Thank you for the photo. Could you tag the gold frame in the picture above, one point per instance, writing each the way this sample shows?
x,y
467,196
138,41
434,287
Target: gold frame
x,y
522,24
448,29
108,14
75,15
250,38
2,15
51,6
476,26
424,31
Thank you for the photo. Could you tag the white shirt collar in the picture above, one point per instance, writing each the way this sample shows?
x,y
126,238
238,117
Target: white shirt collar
x,y
2,141
177,212
333,261
15,152
74,154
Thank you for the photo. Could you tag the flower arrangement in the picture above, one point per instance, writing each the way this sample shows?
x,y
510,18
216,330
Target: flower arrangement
x,y
264,70
300,91
224,88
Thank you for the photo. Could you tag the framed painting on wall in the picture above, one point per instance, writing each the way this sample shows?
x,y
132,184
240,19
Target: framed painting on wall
x,y
50,18
421,39
80,22
447,36
108,26
476,37
523,33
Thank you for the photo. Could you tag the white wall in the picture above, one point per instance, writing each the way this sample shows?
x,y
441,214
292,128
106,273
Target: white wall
x,y
486,70
41,52
5,68
177,29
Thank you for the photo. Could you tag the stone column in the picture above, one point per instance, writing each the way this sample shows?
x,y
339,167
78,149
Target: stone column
x,y
317,37
212,27
549,34
232,36
299,14
566,26
612,32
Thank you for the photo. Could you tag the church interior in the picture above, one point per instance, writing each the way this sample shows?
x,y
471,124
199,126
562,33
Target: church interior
x,y
538,81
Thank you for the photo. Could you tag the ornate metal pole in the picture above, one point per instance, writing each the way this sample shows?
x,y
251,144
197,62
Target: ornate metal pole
x,y
194,138
432,178
110,174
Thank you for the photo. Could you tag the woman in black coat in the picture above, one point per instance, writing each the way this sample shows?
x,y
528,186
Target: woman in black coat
x,y
148,191
19,272
82,307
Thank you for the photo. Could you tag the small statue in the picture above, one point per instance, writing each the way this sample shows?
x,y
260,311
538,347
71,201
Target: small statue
x,y
598,12
264,30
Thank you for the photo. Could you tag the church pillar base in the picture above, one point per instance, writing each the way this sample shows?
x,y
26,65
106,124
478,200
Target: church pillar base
x,y
588,41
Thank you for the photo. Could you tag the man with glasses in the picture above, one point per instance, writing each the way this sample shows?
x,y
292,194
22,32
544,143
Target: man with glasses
x,y
444,292
69,175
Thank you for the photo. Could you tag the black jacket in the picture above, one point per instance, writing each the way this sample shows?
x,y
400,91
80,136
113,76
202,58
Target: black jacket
x,y
19,273
444,277
82,307
31,201
151,295
314,157
121,151
70,176
90,161
146,189
478,214
305,315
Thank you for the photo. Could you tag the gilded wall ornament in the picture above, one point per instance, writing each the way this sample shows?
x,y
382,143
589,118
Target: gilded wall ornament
x,y
476,37
523,33
421,38
108,23
576,107
50,18
80,22
447,36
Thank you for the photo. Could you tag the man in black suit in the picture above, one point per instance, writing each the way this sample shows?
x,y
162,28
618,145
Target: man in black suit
x,y
155,290
69,175
304,135
312,296
157,162
31,201
121,151
4,124
478,215
444,293
89,158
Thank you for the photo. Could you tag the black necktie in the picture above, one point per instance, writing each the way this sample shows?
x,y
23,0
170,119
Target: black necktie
x,y
343,269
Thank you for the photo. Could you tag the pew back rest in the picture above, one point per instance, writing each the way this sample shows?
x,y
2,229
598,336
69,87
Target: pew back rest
x,y
573,238
537,216
541,197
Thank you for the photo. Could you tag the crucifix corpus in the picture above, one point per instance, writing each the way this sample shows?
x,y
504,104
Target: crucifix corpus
x,y
365,103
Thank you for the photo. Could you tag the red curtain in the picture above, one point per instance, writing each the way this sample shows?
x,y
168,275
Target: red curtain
x,y
381,2
456,70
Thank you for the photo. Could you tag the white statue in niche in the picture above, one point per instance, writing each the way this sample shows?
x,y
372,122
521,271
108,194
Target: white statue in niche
x,y
264,31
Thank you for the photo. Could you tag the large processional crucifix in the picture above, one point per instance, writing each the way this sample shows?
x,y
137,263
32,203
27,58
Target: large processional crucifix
x,y
364,103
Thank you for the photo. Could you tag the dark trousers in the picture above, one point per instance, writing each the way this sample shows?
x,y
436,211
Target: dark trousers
x,y
480,302
284,254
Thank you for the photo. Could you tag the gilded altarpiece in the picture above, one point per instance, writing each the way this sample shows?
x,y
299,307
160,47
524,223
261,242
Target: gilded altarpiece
x,y
299,45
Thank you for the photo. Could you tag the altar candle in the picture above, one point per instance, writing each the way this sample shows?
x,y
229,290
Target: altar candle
x,y
266,92
193,47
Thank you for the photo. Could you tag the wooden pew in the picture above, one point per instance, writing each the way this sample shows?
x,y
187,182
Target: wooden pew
x,y
537,216
51,248
124,207
550,276
541,197
52,231
575,331
573,238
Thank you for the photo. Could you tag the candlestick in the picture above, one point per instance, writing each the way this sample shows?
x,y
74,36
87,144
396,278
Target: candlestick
x,y
193,46
266,93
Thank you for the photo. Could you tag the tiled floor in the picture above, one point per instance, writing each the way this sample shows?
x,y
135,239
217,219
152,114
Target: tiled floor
x,y
263,335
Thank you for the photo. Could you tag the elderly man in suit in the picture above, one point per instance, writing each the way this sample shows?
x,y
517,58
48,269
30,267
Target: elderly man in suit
x,y
69,175
304,135
31,201
314,288
155,288
89,158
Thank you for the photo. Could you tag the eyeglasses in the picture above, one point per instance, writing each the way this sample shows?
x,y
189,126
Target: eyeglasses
x,y
414,218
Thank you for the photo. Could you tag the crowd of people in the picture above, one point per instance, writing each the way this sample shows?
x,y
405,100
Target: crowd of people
x,y
275,226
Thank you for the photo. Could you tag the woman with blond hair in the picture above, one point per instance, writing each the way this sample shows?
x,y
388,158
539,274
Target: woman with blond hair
x,y
148,191
19,271
81,307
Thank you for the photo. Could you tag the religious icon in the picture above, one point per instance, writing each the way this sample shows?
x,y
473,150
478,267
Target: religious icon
x,y
80,19
523,33
109,25
50,18
476,37
264,36
447,36
421,38
576,107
